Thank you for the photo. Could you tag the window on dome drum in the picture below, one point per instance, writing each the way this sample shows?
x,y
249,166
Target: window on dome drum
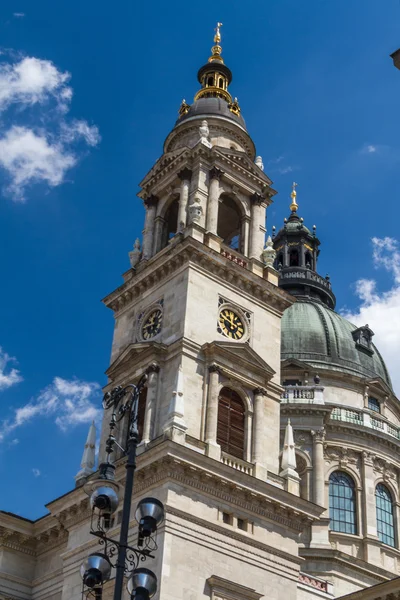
x,y
342,503
231,420
210,81
229,223
384,515
221,82
294,258
373,404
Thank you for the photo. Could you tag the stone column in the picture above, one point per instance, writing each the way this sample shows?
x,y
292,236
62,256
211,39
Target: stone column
x,y
148,234
319,467
213,199
151,398
256,233
258,433
158,232
213,449
185,176
246,235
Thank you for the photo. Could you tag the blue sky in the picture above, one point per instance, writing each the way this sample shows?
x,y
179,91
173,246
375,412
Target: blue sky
x,y
88,93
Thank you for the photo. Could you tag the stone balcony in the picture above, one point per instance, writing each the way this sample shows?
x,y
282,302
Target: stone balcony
x,y
364,418
303,394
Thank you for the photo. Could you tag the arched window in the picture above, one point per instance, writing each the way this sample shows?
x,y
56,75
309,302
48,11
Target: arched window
x,y
210,81
309,260
373,404
170,222
384,515
294,258
231,418
342,503
221,82
229,223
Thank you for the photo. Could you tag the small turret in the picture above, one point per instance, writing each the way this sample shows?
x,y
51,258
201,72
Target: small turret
x,y
297,250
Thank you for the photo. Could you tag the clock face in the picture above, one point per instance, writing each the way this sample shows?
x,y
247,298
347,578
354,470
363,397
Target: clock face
x,y
152,325
231,324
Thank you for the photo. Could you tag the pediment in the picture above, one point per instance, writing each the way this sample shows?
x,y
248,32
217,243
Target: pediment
x,y
163,162
135,356
239,357
379,383
294,364
242,160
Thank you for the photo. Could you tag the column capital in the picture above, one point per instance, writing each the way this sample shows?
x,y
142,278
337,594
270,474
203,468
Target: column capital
x,y
257,199
259,391
151,201
318,435
216,173
185,174
153,368
214,369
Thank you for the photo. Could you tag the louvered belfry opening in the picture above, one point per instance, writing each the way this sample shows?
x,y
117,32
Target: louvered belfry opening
x,y
141,411
231,418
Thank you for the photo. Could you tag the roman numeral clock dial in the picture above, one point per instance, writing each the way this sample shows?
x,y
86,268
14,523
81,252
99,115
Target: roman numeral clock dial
x,y
152,325
231,324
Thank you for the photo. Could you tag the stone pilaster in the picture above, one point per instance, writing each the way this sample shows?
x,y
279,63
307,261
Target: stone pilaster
x,y
213,449
185,176
319,530
151,399
213,199
260,469
368,509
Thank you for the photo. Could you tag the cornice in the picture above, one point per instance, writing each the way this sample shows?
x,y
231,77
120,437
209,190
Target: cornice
x,y
345,561
234,535
186,251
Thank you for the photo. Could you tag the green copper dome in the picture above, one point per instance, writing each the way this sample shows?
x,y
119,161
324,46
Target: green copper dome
x,y
315,334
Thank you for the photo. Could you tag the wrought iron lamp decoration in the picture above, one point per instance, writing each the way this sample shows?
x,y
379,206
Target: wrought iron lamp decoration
x,y
104,501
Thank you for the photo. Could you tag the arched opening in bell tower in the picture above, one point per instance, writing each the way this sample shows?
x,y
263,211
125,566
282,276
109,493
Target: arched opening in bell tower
x,y
229,226
294,259
170,227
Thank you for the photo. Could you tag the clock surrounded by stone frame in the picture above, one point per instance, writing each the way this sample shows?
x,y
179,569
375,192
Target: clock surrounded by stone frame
x,y
152,325
150,322
233,322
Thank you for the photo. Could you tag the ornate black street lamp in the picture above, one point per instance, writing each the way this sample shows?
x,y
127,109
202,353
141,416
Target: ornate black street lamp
x,y
104,500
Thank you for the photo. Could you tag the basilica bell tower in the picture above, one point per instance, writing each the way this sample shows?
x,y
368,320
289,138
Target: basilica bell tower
x,y
200,311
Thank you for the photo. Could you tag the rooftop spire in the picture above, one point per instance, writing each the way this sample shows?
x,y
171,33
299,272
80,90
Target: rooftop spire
x,y
217,49
294,206
88,457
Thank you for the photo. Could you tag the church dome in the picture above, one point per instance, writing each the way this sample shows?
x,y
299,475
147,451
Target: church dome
x,y
317,335
211,107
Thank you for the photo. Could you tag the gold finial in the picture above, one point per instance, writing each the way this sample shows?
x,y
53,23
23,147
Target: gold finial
x,y
217,36
294,205
217,49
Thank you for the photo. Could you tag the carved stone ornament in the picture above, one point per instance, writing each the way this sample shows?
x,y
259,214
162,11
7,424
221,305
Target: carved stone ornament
x,y
195,211
269,253
342,456
383,467
134,255
302,438
204,134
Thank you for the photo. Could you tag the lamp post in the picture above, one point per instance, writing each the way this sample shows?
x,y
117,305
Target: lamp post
x,y
104,500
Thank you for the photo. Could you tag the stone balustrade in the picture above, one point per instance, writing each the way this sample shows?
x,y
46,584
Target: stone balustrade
x,y
364,419
237,463
304,394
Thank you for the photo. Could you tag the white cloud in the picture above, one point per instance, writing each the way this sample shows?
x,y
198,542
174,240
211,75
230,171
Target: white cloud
x,y
36,472
69,402
285,170
44,152
8,376
19,15
381,310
